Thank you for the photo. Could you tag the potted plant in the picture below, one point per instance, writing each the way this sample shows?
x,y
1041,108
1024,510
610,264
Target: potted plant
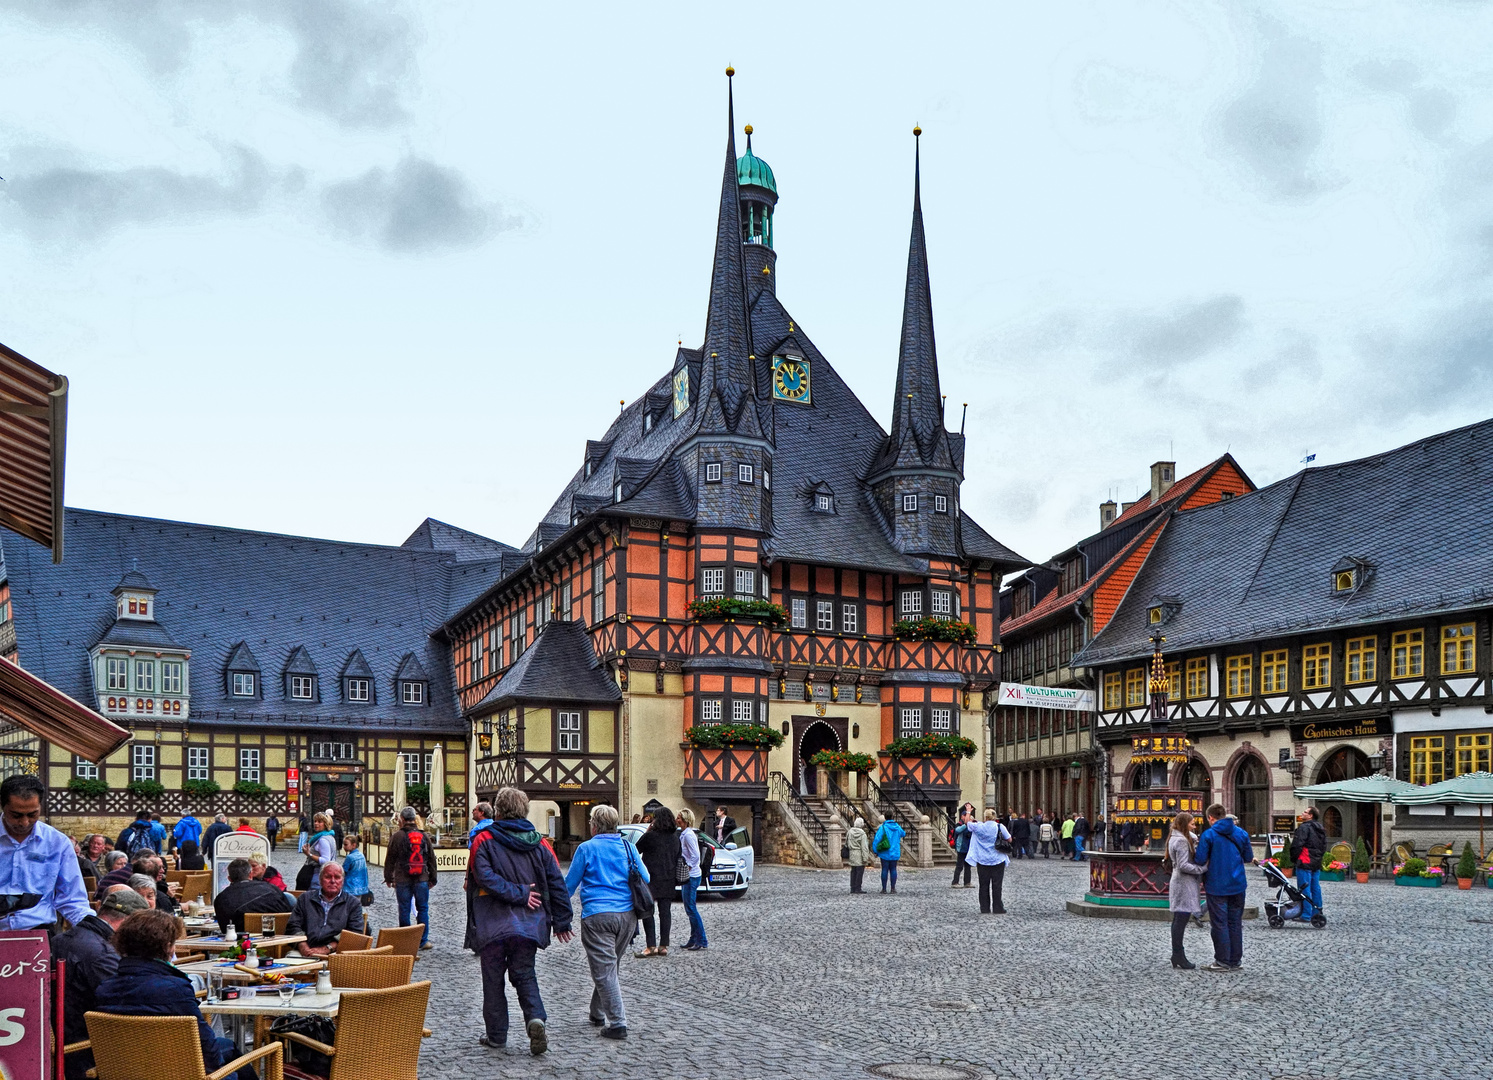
x,y
1361,861
1333,869
252,788
731,609
1415,872
1466,867
960,633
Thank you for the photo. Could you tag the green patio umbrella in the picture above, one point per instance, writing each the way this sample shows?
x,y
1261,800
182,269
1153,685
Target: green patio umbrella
x,y
1476,787
1380,788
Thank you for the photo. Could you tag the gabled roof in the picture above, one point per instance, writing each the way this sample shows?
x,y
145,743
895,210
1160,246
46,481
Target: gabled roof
x,y
1260,565
561,665
135,580
411,670
139,634
299,662
356,666
241,658
461,544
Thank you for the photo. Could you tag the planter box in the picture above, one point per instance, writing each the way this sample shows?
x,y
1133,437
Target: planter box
x,y
1332,875
736,774
1419,882
937,776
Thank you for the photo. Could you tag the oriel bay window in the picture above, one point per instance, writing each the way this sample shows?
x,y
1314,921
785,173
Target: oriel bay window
x,y
911,723
118,673
1427,759
1408,654
710,710
145,676
1458,652
746,584
798,613
1361,659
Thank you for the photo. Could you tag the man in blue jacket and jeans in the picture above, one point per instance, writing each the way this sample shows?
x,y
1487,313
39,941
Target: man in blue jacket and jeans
x,y
1226,850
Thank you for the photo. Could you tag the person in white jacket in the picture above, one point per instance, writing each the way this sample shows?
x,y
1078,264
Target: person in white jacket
x,y
986,838
1048,838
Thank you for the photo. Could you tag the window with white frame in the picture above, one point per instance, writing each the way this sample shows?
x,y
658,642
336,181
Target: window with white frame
x,y
940,504
744,474
713,581
766,480
243,684
84,769
598,591
199,763
142,761
850,618
943,720
943,604
412,692
909,504
563,611
798,612
825,504
710,711
119,673
357,689
570,732
911,723
824,615
911,604
416,768
248,764
713,472
171,677
333,751
145,676
746,584
302,687
741,711
478,651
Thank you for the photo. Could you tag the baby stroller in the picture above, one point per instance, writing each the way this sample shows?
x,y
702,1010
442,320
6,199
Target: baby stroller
x,y
1288,902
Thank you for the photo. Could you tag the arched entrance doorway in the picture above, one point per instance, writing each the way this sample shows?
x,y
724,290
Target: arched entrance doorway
x,y
814,737
1198,777
1252,795
1343,820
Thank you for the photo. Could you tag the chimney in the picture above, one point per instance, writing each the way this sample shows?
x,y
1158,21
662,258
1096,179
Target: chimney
x,y
1127,506
1107,514
1163,476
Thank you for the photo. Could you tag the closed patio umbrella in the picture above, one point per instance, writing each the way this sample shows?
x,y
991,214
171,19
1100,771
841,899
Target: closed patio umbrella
x,y
438,785
1476,787
399,797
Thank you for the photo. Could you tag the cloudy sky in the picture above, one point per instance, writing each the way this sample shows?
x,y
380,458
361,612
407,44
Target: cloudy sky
x,y
329,267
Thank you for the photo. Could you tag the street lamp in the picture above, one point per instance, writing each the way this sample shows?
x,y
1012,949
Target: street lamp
x,y
1075,771
1376,763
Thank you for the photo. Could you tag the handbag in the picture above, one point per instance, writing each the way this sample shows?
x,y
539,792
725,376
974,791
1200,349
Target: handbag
x,y
883,841
642,897
681,871
1003,841
366,899
844,851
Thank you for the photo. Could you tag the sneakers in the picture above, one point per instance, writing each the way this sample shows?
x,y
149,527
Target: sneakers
x,y
490,1044
539,1040
1216,966
614,1033
426,945
596,1021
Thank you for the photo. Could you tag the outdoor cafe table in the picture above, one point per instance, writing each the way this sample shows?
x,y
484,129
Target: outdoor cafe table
x,y
294,966
218,943
267,1004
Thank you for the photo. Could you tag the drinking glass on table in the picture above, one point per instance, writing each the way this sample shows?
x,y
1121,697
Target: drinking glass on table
x,y
287,992
214,985
267,925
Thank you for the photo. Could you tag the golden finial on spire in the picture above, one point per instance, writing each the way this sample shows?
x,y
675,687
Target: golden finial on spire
x,y
747,129
916,131
730,71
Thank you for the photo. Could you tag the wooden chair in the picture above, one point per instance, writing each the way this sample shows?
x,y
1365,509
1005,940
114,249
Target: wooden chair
x,y
378,1034
350,942
365,971
190,958
405,939
177,876
90,885
153,1047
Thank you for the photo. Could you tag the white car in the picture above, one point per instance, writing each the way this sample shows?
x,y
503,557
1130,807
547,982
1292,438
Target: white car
x,y
731,868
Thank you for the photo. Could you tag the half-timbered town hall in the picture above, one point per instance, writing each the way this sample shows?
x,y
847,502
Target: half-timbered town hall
x,y
748,475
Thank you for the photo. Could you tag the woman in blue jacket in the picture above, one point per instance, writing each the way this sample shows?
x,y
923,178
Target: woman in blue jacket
x,y
887,845
147,985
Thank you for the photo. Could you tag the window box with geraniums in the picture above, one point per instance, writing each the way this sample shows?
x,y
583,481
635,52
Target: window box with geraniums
x,y
720,736
843,761
1415,872
726,607
1333,869
88,787
960,633
146,789
931,746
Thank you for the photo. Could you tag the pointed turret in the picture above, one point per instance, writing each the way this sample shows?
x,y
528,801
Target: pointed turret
x,y
917,474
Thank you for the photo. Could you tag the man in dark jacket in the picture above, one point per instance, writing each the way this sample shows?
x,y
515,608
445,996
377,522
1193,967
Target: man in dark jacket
x,y
1021,837
138,836
1225,849
1308,846
243,895
1080,834
409,869
725,825
324,911
90,960
218,828
515,895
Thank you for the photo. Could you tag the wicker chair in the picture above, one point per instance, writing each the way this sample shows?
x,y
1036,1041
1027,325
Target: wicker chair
x,y
365,971
196,883
153,1047
405,939
350,942
378,1034
387,950
254,921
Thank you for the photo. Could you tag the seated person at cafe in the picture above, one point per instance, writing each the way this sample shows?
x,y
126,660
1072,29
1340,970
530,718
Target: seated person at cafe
x,y
263,871
154,867
116,872
243,895
146,983
91,959
324,911
143,885
188,857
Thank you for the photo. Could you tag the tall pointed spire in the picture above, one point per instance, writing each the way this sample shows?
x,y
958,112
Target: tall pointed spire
x,y
917,412
727,379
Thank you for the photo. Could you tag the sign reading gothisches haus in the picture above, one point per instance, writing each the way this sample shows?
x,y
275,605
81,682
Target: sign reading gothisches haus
x,y
1045,697
25,966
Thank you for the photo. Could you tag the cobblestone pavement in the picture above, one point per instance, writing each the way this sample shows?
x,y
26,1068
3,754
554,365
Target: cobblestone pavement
x,y
804,980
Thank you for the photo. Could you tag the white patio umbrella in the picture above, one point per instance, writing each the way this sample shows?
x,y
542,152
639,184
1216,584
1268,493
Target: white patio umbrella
x,y
1476,787
438,785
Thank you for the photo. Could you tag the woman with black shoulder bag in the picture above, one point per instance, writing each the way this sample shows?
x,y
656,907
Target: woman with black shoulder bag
x,y
989,852
660,849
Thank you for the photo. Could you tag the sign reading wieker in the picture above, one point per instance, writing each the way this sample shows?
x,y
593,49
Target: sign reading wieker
x,y
1046,697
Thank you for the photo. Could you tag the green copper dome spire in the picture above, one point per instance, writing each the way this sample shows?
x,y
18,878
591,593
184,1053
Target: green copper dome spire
x,y
752,171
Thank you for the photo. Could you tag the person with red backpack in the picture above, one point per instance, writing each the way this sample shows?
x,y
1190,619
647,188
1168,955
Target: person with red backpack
x,y
409,869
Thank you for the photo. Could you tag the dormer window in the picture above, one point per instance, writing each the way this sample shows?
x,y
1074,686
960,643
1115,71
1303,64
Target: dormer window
x,y
647,422
617,491
302,687
357,690
243,684
1342,581
587,470
1351,573
1155,615
825,504
1162,608
412,693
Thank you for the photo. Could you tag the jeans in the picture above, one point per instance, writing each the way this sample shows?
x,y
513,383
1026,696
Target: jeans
x,y
605,936
960,863
515,955
229,1052
857,876
664,905
417,892
1046,846
1077,848
1226,924
889,870
991,877
1310,884
690,889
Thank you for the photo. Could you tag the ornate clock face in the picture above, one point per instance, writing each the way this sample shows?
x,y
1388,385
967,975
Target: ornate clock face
x,y
790,379
681,391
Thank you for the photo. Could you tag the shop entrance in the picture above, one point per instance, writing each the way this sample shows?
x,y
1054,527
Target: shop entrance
x,y
811,735
339,796
1347,821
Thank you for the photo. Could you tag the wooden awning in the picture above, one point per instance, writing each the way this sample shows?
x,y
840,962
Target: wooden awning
x,y
45,711
33,446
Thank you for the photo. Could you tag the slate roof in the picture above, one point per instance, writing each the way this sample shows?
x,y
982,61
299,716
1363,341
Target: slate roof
x,y
138,634
561,665
219,587
460,544
1259,565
